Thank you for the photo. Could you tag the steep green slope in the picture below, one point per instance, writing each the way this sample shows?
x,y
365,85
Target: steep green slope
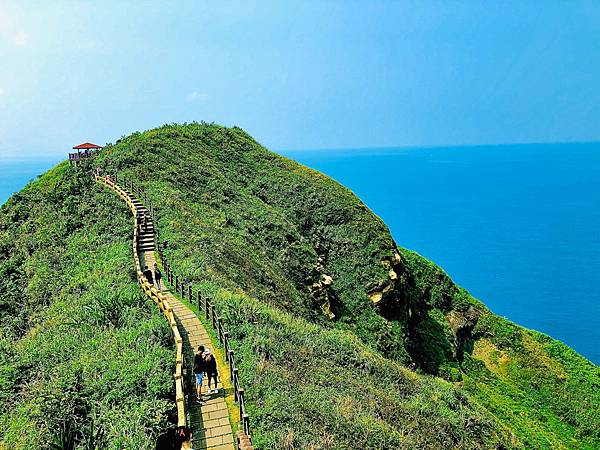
x,y
84,358
344,340
340,312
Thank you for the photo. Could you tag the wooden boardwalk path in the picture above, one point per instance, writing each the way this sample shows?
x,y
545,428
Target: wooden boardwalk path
x,y
209,421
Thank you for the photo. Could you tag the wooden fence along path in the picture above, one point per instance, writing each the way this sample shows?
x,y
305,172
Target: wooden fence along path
x,y
209,422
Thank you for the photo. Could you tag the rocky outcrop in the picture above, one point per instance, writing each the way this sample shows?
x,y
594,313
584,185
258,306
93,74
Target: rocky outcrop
x,y
409,297
320,290
462,324
388,284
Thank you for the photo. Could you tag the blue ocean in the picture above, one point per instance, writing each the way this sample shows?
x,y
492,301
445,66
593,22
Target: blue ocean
x,y
516,225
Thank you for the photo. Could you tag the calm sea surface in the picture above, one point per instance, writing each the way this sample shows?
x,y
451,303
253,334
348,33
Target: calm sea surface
x,y
516,225
15,174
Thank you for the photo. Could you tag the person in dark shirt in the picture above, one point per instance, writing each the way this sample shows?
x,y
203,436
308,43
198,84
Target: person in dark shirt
x,y
211,370
157,275
148,275
199,369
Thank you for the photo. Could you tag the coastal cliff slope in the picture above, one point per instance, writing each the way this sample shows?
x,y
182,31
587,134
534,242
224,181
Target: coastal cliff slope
x,y
344,338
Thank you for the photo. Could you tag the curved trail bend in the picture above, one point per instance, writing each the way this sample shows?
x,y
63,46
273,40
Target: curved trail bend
x,y
209,422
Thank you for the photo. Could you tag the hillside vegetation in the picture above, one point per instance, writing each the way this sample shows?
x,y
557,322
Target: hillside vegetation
x,y
85,359
344,339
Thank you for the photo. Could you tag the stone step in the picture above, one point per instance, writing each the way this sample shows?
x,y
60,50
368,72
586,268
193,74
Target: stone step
x,y
213,442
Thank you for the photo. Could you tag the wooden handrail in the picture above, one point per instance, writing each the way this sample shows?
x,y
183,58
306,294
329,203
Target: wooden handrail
x,y
210,312
159,299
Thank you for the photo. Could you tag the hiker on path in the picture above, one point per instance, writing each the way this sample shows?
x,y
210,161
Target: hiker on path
x,y
211,370
199,369
148,275
138,220
157,275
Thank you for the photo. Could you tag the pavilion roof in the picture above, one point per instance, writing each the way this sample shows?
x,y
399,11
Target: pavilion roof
x,y
86,146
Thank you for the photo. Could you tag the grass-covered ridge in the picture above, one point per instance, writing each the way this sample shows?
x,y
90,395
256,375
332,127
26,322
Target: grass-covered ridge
x,y
85,357
299,248
344,340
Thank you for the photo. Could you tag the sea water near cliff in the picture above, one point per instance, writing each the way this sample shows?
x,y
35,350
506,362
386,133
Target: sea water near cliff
x,y
516,225
16,172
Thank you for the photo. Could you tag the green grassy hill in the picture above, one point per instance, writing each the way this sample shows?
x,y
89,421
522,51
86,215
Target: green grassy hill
x,y
344,339
85,357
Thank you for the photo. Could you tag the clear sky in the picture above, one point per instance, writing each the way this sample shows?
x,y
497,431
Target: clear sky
x,y
310,74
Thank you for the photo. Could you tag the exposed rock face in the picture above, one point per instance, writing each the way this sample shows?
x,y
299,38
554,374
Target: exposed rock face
x,y
389,284
403,298
320,291
462,324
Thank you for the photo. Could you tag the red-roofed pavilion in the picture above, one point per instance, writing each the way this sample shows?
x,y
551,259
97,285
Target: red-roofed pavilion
x,y
87,148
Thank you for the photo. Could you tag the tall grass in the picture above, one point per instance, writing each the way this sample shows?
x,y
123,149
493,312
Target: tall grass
x,y
86,360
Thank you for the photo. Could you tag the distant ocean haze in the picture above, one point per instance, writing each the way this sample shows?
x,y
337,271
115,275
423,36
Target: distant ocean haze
x,y
516,225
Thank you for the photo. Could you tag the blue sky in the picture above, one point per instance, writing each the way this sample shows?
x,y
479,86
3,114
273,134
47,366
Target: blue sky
x,y
300,74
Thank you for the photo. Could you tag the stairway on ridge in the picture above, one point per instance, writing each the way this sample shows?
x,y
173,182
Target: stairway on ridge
x,y
146,233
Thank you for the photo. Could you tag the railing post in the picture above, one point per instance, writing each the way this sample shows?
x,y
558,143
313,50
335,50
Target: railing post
x,y
220,328
233,371
199,299
214,316
176,283
207,306
241,401
246,420
226,344
190,297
